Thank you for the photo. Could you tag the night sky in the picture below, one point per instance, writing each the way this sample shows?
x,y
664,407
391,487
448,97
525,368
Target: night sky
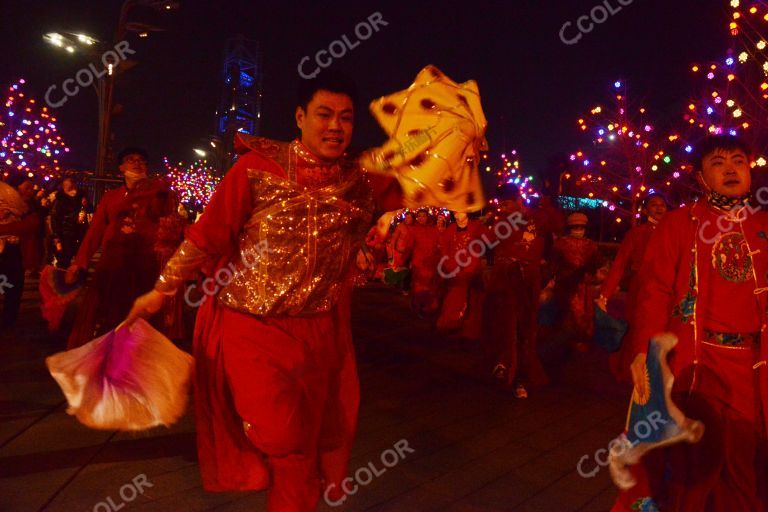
x,y
533,86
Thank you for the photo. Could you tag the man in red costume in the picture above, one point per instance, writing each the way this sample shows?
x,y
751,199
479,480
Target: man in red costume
x,y
512,303
375,254
424,258
137,228
463,245
704,279
630,256
276,384
402,242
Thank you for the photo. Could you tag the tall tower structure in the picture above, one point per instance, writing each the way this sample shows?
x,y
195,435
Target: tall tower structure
x,y
240,106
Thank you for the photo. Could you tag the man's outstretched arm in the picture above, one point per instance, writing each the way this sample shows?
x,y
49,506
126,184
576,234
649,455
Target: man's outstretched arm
x,y
213,237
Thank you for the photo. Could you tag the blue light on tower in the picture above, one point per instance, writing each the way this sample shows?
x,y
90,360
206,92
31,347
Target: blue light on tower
x,y
240,106
617,84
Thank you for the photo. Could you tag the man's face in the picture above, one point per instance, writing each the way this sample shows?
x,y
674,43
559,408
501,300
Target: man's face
x,y
27,190
656,208
326,126
134,163
408,219
421,218
68,186
727,172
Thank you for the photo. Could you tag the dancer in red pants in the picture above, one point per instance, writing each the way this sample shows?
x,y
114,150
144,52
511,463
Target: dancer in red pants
x,y
276,384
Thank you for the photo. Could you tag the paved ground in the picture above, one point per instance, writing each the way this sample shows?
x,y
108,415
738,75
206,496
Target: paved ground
x,y
475,447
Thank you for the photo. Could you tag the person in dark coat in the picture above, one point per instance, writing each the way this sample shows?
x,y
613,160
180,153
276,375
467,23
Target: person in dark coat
x,y
69,222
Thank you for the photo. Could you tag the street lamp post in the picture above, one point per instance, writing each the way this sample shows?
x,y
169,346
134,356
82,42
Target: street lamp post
x,y
105,84
104,93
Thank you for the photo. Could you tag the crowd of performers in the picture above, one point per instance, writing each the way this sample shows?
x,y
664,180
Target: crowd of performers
x,y
478,277
276,388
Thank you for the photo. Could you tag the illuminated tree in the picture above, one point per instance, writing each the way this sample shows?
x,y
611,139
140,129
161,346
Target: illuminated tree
x,y
195,182
626,159
30,143
732,92
508,173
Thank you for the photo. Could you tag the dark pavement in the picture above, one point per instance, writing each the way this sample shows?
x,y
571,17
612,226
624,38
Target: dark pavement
x,y
475,447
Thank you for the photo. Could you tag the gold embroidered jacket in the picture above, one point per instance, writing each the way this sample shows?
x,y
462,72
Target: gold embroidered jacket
x,y
295,246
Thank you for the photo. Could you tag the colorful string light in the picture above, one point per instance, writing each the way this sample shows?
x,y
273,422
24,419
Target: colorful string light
x,y
30,143
732,94
194,182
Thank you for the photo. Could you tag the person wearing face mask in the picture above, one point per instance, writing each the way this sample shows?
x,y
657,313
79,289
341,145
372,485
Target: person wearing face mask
x,y
137,228
630,257
68,222
575,259
704,280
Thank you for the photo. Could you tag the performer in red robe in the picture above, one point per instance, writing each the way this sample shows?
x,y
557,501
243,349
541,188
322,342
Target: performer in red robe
x,y
460,268
276,389
630,257
441,223
138,228
402,242
704,280
575,260
376,253
424,257
512,302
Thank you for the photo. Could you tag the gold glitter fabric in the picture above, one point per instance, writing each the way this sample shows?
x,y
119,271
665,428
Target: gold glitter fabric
x,y
185,261
297,245
437,130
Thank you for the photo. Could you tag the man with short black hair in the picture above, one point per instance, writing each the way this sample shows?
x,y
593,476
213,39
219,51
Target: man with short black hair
x,y
630,257
137,228
704,280
276,385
